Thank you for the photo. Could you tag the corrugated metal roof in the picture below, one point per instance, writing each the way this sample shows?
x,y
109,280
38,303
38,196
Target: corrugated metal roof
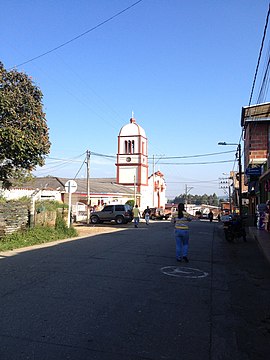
x,y
42,183
101,186
97,185
255,112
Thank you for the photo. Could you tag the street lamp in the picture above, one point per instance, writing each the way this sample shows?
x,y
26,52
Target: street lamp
x,y
240,173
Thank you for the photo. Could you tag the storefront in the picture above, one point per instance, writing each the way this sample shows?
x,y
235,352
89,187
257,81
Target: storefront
x,y
264,182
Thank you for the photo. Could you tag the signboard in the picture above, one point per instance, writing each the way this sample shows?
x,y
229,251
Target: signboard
x,y
70,186
253,171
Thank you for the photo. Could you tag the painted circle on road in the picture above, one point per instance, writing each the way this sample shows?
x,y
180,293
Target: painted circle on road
x,y
183,272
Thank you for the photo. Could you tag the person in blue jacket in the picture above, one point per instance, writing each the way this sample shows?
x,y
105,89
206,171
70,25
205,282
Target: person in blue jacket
x,y
181,232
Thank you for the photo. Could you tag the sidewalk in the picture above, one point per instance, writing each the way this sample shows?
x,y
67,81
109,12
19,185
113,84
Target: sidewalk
x,y
263,238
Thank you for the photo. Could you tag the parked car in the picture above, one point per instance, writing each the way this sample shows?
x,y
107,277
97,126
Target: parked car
x,y
119,213
171,212
158,214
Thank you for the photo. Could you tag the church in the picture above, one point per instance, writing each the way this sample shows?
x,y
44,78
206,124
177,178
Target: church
x,y
132,167
132,181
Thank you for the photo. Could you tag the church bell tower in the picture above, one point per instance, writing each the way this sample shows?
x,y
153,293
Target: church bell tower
x,y
132,158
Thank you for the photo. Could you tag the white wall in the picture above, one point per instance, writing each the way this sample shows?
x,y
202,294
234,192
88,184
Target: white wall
x,y
15,194
126,174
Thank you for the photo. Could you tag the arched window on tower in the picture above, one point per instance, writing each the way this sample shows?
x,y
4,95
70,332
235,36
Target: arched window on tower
x,y
129,147
133,147
126,147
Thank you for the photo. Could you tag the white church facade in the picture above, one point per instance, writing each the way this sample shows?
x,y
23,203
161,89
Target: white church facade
x,y
132,181
132,168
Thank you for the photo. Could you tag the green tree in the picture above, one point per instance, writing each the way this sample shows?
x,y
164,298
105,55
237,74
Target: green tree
x,y
24,135
130,203
197,199
215,200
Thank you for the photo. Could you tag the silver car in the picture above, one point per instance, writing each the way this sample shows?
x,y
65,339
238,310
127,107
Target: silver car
x,y
119,213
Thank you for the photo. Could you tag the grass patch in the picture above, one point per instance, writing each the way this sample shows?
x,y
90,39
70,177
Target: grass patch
x,y
37,235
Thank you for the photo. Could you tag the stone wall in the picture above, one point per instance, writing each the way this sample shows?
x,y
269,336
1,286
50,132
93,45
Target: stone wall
x,y
13,217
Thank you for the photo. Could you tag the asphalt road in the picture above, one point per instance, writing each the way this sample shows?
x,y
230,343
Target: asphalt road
x,y
122,296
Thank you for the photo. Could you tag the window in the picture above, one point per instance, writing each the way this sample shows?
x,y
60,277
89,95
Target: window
x,y
108,208
119,208
129,147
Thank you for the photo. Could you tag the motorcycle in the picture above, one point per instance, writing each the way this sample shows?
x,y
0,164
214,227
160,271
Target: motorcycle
x,y
234,228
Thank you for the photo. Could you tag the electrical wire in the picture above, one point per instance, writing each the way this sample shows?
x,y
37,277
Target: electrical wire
x,y
194,156
192,182
161,163
79,169
260,54
198,163
265,81
80,35
171,157
103,155
59,163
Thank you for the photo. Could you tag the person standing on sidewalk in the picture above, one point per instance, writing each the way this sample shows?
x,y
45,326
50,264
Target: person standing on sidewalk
x,y
136,215
181,233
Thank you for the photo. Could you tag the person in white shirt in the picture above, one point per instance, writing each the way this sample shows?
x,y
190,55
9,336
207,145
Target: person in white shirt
x,y
147,213
181,233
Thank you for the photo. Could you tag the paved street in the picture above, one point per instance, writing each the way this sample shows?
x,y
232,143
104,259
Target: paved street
x,y
122,296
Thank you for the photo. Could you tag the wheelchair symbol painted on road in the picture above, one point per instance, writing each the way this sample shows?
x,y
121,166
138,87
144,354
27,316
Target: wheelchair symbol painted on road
x,y
183,272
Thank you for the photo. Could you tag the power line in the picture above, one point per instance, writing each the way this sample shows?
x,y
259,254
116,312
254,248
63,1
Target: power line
x,y
80,35
57,159
260,54
172,157
198,163
79,169
192,182
194,156
163,158
103,155
265,79
58,163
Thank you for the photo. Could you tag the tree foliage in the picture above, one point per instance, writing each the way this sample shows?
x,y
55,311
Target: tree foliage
x,y
197,199
24,135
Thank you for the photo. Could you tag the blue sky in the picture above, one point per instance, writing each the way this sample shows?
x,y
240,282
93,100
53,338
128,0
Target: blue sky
x,y
185,68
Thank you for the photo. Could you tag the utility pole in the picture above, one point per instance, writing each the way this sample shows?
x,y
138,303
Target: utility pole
x,y
88,153
135,193
240,174
225,184
187,190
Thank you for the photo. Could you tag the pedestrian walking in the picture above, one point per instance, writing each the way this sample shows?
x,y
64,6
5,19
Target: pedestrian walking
x,y
210,216
181,232
147,213
136,215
